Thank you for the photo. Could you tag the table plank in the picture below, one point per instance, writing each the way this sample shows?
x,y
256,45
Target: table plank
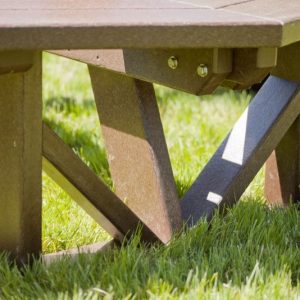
x,y
162,24
212,3
280,9
288,13
96,4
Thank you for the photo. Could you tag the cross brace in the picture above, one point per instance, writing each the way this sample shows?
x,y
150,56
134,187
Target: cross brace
x,y
243,152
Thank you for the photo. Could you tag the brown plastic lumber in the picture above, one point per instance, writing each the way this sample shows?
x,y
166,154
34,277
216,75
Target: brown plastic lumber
x,y
16,61
69,172
243,152
288,62
21,157
282,169
234,68
285,11
137,152
75,252
152,65
250,66
61,24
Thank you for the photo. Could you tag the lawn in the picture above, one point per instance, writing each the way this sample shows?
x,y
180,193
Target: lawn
x,y
251,253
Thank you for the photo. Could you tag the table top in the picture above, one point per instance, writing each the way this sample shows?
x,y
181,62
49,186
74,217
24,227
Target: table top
x,y
95,24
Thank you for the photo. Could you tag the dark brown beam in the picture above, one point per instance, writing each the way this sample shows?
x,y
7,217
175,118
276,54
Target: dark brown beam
x,y
21,155
282,176
137,151
250,66
152,65
245,149
69,172
73,253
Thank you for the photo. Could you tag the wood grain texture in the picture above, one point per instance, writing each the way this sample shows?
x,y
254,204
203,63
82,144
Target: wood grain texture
x,y
137,151
245,149
162,24
152,65
21,162
69,172
282,176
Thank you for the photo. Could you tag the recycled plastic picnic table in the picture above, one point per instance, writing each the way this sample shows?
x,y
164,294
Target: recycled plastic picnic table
x,y
190,45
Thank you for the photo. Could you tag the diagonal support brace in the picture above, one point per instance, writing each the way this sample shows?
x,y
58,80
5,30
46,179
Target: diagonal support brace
x,y
245,149
69,172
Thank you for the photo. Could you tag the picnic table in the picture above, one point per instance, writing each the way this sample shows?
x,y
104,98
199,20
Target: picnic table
x,y
190,45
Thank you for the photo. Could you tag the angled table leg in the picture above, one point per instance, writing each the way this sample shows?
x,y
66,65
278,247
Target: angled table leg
x,y
282,176
245,149
137,152
21,154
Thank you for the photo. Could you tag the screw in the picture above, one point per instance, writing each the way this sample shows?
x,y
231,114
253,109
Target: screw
x,y
173,62
202,70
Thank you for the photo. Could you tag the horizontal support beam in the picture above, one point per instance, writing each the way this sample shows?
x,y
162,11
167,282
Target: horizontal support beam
x,y
243,152
153,65
69,172
234,68
73,253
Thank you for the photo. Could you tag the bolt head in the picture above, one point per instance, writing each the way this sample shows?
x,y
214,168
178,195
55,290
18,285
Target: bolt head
x,y
173,62
202,70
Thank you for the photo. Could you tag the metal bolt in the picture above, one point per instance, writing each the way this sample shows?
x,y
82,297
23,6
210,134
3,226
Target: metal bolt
x,y
202,70
173,62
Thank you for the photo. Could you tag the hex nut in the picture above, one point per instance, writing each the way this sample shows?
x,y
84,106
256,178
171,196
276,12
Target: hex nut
x,y
173,62
202,70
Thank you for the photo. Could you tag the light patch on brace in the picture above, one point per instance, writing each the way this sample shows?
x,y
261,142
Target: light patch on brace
x,y
214,198
235,146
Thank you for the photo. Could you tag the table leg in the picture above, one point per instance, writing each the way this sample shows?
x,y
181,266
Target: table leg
x,y
245,149
21,159
137,152
282,169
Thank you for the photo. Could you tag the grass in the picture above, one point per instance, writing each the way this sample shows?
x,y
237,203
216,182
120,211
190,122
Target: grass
x,y
251,253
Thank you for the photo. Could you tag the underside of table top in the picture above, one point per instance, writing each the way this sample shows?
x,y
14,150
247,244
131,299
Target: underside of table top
x,y
62,24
